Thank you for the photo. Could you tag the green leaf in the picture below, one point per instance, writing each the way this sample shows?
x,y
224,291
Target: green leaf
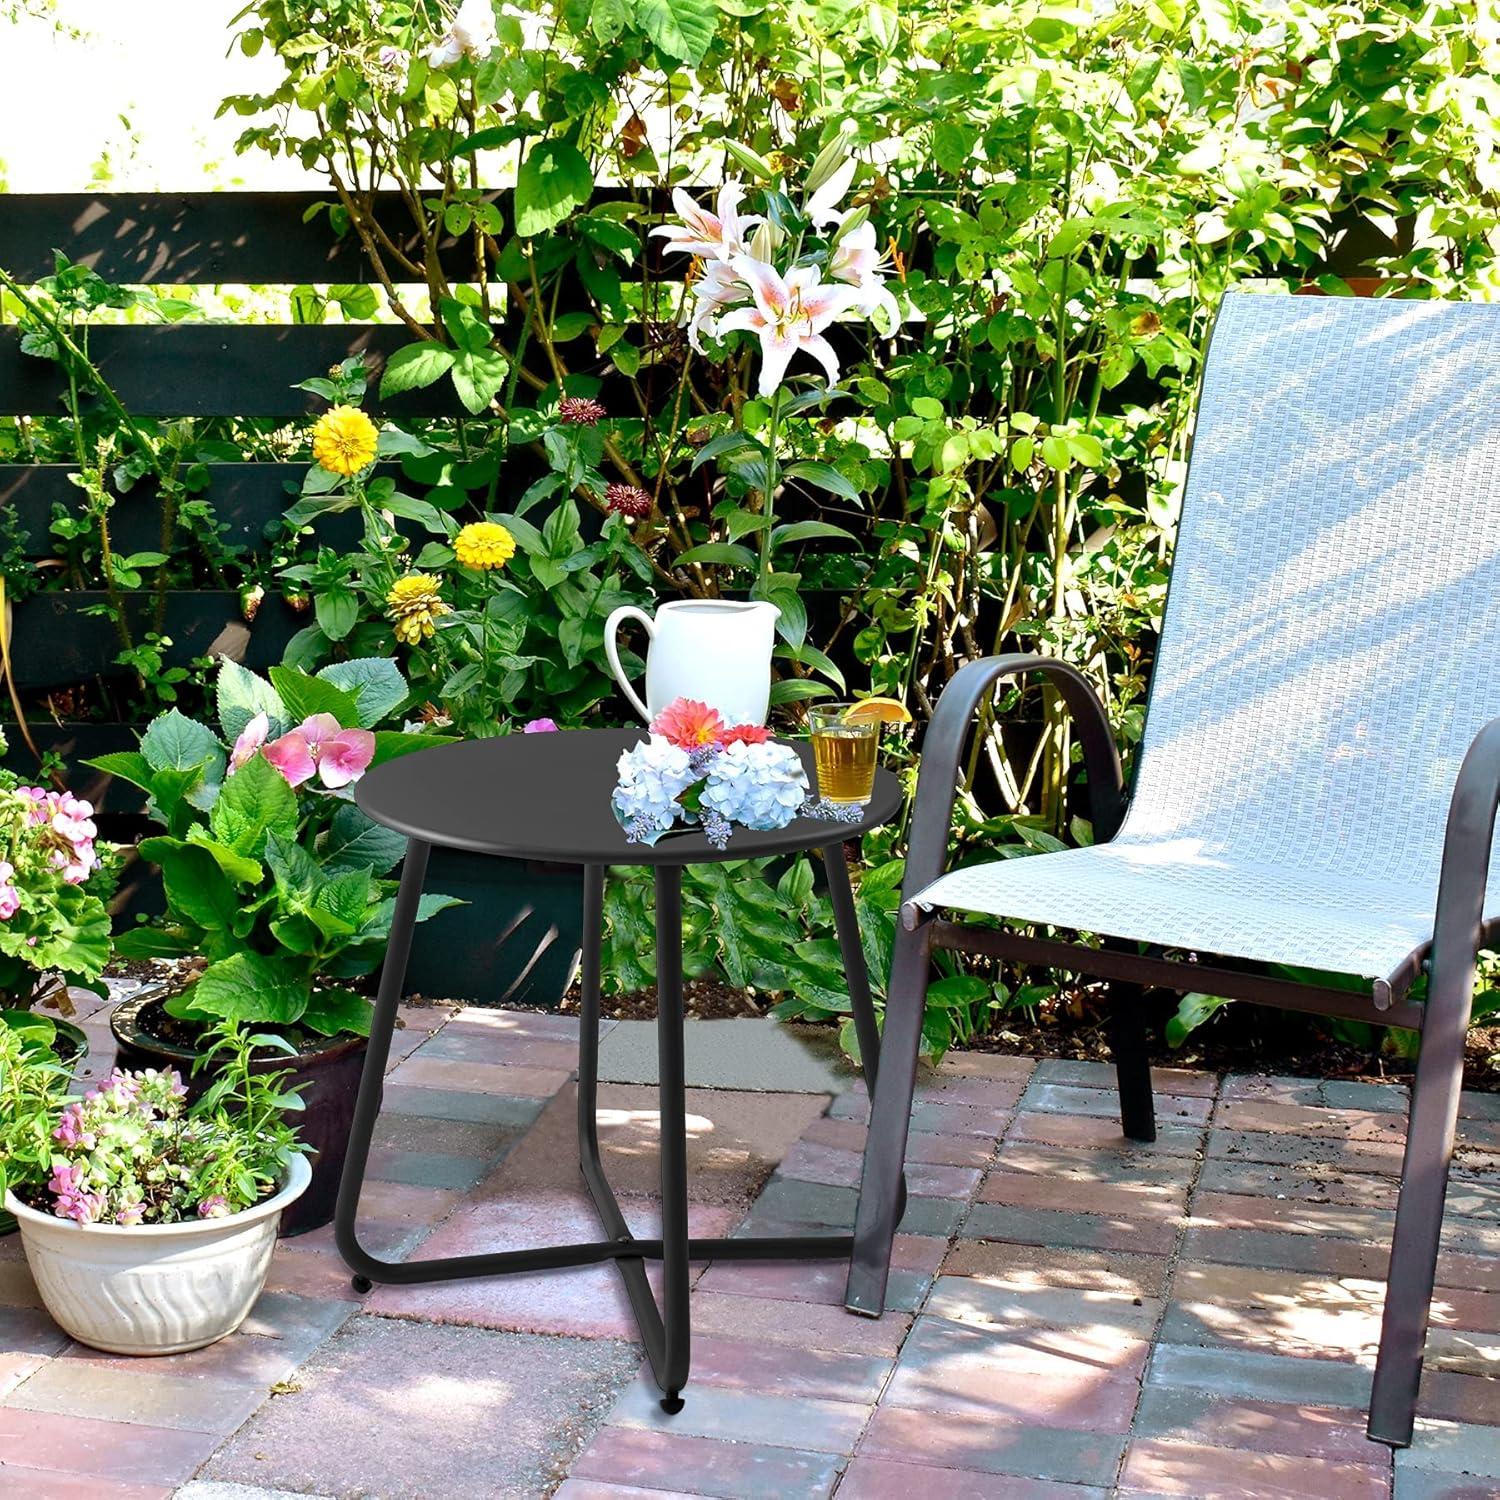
x,y
727,553
241,694
478,376
390,744
794,689
251,989
681,29
295,871
801,531
128,765
824,476
345,897
376,683
197,889
305,695
1192,1011
354,839
240,870
255,802
174,742
414,366
553,181
333,1011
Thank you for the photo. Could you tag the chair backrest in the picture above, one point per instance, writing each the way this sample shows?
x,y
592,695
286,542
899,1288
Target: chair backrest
x,y
1332,635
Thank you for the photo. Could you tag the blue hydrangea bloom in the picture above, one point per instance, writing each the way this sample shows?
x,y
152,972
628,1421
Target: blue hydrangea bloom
x,y
757,786
652,776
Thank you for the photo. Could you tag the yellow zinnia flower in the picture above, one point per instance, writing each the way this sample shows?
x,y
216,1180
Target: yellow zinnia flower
x,y
414,604
343,440
484,545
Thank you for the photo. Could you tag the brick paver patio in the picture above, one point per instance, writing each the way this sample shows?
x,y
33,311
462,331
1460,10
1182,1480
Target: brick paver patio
x,y
1072,1317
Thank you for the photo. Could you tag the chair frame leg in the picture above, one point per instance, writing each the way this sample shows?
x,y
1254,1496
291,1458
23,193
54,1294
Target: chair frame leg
x,y
881,1196
1128,1042
1432,1123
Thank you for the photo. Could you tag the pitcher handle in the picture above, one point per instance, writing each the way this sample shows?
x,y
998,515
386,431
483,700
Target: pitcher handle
x,y
612,653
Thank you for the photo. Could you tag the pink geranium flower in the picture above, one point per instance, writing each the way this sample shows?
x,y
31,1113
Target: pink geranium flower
x,y
790,314
318,746
10,897
688,723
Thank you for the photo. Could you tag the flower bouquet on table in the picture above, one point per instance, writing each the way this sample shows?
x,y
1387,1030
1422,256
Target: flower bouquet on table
x,y
696,770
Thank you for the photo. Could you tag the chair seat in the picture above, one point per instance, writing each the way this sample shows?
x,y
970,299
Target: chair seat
x,y
1170,894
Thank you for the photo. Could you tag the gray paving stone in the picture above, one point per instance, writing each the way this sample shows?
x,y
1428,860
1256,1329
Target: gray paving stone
x,y
209,1489
741,1416
790,1200
1387,1098
1432,1484
1453,1448
460,1104
144,1392
431,1169
967,1299
1264,1377
409,1411
750,1055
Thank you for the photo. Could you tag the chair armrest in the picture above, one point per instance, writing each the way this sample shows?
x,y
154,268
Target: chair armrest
x,y
1467,842
937,782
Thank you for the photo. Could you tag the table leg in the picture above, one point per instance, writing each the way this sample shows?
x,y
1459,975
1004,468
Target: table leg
x,y
851,950
672,1086
372,1078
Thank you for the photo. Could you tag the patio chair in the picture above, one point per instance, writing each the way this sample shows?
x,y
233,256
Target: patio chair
x,y
1315,792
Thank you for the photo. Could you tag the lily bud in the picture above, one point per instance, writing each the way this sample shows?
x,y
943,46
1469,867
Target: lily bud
x,y
851,221
752,161
765,240
829,159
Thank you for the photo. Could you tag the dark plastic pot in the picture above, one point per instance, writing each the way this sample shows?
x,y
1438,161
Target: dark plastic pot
x,y
329,1079
72,1047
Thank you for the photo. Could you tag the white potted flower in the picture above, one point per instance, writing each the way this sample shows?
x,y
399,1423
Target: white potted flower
x,y
154,1230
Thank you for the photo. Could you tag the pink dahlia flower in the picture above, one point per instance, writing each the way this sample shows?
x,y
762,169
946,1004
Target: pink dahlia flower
x,y
688,723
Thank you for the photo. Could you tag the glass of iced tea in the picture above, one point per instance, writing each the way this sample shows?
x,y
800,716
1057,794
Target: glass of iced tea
x,y
844,750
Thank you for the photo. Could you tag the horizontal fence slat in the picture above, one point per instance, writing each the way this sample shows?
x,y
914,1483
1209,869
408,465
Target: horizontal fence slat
x,y
247,498
59,638
223,370
266,238
196,238
215,370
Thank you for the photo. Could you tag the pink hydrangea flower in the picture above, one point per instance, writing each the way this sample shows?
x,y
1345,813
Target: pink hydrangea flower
x,y
540,726
318,746
250,740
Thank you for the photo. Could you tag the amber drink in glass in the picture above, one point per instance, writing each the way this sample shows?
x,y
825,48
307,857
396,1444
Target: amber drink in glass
x,y
843,753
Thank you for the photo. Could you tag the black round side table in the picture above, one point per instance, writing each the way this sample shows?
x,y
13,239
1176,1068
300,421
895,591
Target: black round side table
x,y
546,797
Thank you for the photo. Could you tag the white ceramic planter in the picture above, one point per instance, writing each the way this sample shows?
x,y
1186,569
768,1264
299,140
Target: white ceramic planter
x,y
154,1288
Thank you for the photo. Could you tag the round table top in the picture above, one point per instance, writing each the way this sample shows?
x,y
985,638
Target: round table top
x,y
546,796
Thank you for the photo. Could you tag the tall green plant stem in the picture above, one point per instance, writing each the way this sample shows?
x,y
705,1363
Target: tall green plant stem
x,y
773,479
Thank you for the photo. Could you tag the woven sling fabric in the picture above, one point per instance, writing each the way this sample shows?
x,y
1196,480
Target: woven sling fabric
x,y
1331,646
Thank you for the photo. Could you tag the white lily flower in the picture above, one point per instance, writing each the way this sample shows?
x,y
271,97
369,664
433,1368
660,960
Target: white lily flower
x,y
790,314
720,287
471,33
822,206
719,236
856,260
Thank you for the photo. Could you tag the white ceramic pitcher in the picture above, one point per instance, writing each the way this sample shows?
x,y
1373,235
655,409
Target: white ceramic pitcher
x,y
716,651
